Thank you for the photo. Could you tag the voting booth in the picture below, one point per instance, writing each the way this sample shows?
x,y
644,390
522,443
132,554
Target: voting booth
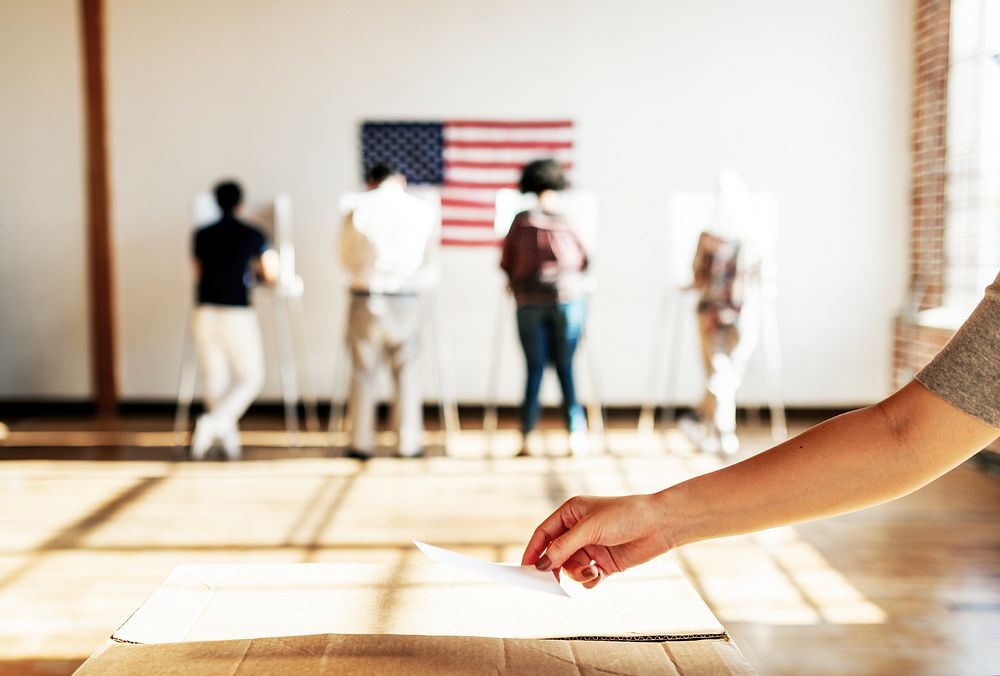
x,y
283,305
690,214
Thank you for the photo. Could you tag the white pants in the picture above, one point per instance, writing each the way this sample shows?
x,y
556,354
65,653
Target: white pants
x,y
231,357
385,329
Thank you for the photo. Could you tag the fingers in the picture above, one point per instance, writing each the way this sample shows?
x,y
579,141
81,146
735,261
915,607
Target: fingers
x,y
557,523
561,543
605,560
596,580
580,567
584,567
564,546
592,538
536,545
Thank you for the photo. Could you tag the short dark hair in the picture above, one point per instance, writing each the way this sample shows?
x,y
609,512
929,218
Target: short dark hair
x,y
380,172
542,175
228,195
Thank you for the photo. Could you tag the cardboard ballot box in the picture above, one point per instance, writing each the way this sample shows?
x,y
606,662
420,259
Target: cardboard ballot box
x,y
305,619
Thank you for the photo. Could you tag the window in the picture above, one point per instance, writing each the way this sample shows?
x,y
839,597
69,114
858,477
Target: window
x,y
972,220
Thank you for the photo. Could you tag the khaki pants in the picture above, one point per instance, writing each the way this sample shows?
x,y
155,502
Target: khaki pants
x,y
385,328
232,359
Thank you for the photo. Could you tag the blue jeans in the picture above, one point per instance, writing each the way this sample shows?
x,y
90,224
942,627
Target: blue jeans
x,y
550,333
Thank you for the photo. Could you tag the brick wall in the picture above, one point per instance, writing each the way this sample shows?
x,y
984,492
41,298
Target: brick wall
x,y
915,345
927,147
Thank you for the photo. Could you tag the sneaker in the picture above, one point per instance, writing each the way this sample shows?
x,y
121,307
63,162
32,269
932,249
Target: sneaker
x,y
231,443
729,444
354,453
711,445
693,430
579,444
203,437
531,443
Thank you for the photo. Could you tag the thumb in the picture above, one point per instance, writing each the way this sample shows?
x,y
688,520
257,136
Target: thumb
x,y
567,544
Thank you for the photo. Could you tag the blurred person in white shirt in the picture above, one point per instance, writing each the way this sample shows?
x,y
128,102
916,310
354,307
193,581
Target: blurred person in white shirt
x,y
384,247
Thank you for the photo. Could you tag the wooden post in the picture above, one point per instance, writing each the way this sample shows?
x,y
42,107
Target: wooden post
x,y
99,247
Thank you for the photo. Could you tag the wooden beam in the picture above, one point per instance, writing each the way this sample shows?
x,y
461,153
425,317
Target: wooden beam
x,y
99,247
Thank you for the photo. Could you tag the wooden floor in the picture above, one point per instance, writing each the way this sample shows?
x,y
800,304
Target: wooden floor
x,y
907,588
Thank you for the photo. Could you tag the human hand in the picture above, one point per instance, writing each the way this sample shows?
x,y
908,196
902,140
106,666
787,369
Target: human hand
x,y
591,538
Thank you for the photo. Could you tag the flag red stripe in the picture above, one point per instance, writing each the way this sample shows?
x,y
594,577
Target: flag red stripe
x,y
476,184
453,241
467,222
471,204
527,124
465,164
542,145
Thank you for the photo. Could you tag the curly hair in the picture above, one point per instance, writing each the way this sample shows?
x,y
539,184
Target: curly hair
x,y
542,175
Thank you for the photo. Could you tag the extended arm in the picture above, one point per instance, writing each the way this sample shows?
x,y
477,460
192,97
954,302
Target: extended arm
x,y
855,460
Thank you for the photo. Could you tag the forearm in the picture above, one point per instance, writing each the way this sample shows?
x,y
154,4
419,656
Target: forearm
x,y
858,459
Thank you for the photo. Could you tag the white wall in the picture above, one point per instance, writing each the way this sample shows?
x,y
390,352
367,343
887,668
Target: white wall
x,y
808,99
44,343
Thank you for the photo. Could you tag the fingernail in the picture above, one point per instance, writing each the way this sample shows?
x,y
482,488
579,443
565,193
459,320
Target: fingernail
x,y
589,573
543,563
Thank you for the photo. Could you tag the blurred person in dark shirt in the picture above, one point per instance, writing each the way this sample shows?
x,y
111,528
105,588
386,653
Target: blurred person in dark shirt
x,y
229,256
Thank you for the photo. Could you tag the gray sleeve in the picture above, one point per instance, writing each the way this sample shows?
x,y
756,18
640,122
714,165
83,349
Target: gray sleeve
x,y
966,372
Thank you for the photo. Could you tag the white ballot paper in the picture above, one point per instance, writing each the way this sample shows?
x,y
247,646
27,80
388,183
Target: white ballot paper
x,y
528,577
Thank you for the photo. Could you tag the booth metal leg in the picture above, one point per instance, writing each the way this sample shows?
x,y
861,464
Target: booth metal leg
x,y
447,406
673,351
286,363
301,362
186,383
592,347
338,401
490,414
772,355
647,415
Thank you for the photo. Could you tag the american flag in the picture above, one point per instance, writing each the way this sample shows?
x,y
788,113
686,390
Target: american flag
x,y
470,160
